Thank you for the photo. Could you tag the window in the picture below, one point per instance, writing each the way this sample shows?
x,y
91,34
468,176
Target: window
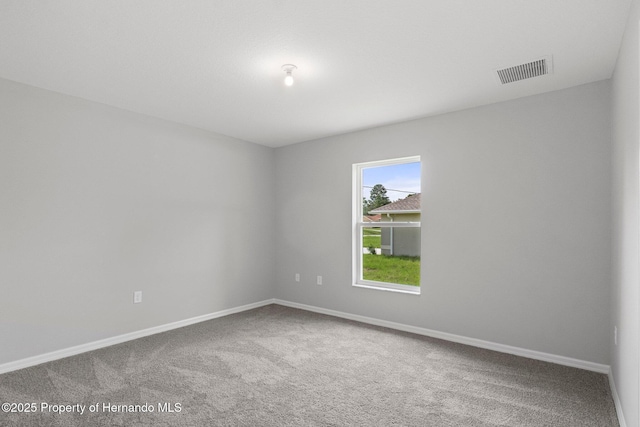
x,y
386,224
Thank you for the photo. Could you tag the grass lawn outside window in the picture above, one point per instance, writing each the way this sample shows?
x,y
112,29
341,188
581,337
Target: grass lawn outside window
x,y
391,269
371,238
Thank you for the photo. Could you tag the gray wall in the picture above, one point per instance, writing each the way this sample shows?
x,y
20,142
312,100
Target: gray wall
x,y
626,215
516,235
97,202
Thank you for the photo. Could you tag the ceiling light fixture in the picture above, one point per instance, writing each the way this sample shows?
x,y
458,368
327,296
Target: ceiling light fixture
x,y
288,68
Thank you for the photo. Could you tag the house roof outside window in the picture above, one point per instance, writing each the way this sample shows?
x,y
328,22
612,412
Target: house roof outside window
x,y
372,218
410,204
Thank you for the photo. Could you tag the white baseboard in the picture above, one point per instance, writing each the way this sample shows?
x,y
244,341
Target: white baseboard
x,y
95,345
616,400
531,354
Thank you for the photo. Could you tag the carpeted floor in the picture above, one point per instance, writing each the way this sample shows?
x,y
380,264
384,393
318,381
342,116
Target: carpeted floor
x,y
278,366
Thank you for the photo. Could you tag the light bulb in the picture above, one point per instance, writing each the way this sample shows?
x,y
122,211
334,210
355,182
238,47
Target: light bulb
x,y
288,69
288,80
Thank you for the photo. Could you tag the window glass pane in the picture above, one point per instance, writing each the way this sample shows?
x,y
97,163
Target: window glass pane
x,y
383,185
371,238
389,192
391,255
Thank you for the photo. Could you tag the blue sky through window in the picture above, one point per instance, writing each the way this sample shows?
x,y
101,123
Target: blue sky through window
x,y
399,180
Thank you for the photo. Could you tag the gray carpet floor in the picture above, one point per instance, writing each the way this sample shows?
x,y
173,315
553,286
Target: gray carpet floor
x,y
278,366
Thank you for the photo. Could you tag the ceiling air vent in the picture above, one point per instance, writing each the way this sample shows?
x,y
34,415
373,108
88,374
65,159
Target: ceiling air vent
x,y
536,68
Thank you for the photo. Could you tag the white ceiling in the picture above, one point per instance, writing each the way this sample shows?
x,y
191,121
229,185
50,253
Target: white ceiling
x,y
215,64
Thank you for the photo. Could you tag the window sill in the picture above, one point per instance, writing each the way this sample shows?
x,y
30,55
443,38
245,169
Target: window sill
x,y
403,289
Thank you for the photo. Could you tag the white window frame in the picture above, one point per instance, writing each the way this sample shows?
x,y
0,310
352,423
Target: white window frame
x,y
359,225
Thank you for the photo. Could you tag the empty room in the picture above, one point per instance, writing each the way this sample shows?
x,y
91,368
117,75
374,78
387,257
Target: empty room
x,y
320,213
